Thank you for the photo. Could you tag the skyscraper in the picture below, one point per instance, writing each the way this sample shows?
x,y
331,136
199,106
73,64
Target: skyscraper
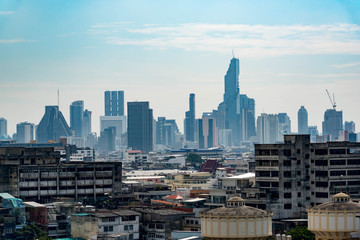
x,y
114,103
285,123
302,121
24,132
268,128
3,127
206,133
231,96
350,126
76,117
189,122
52,126
332,124
86,124
246,117
140,126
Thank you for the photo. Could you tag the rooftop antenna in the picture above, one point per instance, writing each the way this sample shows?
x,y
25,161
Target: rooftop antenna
x,y
233,53
58,98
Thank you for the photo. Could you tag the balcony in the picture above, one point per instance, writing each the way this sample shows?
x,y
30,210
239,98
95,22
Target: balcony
x,y
28,184
48,184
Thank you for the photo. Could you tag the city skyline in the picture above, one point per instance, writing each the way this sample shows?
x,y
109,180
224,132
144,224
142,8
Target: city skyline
x,y
289,54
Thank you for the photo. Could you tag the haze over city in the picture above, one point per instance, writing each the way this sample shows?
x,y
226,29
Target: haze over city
x,y
160,51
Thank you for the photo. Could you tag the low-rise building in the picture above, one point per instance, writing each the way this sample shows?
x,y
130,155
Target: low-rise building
x,y
106,225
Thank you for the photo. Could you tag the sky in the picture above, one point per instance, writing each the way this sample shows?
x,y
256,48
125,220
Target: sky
x,y
161,51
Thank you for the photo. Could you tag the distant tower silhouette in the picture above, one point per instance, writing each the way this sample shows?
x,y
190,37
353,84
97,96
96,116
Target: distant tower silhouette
x,y
52,126
140,126
190,122
114,103
302,121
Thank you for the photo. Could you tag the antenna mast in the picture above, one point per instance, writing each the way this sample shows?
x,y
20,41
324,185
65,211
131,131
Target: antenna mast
x,y
58,98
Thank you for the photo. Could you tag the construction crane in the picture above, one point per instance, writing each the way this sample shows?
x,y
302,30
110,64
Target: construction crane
x,y
333,103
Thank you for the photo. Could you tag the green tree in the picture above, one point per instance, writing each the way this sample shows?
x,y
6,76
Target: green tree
x,y
301,233
31,232
193,158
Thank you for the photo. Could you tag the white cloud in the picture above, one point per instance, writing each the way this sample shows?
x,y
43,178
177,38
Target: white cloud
x,y
10,41
247,40
346,65
6,12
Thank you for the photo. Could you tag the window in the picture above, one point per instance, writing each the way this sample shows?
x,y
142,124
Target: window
x,y
321,173
287,174
337,151
299,194
264,184
287,195
337,173
321,184
131,236
126,227
353,161
287,153
287,163
287,206
321,163
128,218
108,229
337,162
353,172
275,184
287,184
321,195
321,151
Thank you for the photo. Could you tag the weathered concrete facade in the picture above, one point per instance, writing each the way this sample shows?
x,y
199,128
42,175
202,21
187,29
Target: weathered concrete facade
x,y
36,174
297,173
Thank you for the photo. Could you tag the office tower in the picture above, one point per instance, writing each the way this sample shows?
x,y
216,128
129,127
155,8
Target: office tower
x,y
120,125
206,133
313,131
189,122
285,123
231,96
160,134
86,123
350,126
302,121
24,132
352,137
76,117
3,127
52,126
114,103
332,123
268,130
140,126
107,139
246,117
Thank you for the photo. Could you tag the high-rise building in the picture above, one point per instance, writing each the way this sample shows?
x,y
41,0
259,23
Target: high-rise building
x,y
76,117
268,130
189,122
140,126
24,132
231,96
86,123
246,117
206,133
114,103
302,120
297,174
285,123
107,139
119,124
332,124
313,131
52,126
350,126
3,127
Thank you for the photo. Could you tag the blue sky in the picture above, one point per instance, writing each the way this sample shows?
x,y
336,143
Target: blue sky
x,y
160,51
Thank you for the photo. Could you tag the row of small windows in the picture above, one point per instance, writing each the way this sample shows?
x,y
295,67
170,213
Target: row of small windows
x,y
337,162
338,183
337,173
